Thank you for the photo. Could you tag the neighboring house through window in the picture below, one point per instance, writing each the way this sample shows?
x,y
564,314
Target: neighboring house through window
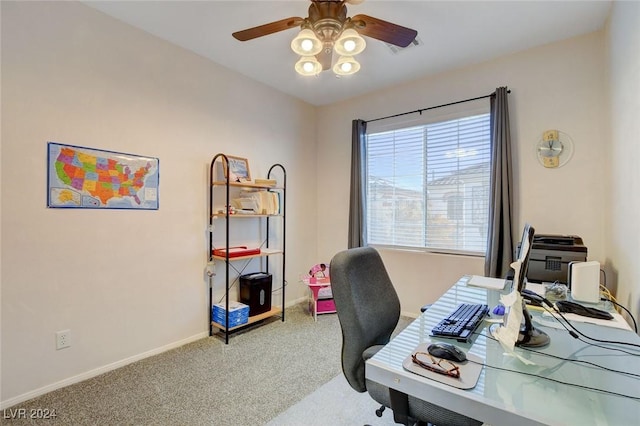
x,y
427,185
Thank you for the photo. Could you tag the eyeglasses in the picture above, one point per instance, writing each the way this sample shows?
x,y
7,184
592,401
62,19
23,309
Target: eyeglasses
x,y
440,366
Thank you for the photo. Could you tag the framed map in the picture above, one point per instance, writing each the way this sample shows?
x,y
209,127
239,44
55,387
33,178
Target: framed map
x,y
80,177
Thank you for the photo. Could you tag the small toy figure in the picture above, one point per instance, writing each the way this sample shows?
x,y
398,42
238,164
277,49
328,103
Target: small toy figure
x,y
318,271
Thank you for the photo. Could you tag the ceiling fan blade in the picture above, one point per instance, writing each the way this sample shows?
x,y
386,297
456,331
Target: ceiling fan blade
x,y
383,30
266,29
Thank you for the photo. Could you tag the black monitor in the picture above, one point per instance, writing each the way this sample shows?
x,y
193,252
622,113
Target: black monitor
x,y
529,336
523,256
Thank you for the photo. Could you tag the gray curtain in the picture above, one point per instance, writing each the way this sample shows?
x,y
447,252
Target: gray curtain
x,y
356,198
499,238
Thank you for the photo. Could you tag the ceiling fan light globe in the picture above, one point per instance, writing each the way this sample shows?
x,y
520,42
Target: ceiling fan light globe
x,y
306,43
350,43
346,65
308,66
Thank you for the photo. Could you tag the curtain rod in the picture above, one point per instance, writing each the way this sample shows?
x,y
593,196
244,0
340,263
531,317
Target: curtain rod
x,y
434,107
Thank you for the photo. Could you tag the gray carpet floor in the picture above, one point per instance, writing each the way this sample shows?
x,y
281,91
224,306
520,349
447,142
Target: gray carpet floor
x,y
260,374
335,403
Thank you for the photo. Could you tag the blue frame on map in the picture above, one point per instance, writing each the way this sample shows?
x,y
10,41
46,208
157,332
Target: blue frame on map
x,y
90,178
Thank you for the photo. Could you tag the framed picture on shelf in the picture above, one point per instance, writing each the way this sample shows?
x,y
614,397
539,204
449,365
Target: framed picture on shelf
x,y
238,169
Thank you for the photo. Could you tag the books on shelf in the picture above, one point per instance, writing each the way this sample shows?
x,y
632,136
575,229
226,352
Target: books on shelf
x,y
265,182
260,202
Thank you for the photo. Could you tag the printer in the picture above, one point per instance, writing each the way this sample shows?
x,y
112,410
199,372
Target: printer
x,y
550,256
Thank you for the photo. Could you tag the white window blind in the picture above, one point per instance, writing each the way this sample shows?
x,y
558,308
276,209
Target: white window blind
x,y
427,186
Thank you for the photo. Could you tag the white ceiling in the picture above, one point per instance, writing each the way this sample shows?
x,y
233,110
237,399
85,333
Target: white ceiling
x,y
453,34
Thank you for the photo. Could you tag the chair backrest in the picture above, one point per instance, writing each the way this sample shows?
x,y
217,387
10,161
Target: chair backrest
x,y
367,305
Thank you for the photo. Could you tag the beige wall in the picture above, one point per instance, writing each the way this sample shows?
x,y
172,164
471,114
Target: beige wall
x,y
130,283
622,202
126,283
558,86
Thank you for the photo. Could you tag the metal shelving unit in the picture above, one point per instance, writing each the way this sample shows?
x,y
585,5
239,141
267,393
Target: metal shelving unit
x,y
267,251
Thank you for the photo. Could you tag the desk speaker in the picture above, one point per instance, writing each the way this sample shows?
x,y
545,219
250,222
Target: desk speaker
x,y
584,281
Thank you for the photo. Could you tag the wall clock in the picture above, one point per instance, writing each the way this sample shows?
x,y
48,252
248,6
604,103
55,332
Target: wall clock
x,y
554,149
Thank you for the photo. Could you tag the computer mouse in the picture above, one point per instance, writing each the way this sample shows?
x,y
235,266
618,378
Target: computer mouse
x,y
447,351
498,310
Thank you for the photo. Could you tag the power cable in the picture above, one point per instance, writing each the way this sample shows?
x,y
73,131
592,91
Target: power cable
x,y
574,333
637,398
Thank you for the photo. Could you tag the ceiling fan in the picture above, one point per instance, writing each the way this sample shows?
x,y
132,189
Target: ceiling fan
x,y
328,29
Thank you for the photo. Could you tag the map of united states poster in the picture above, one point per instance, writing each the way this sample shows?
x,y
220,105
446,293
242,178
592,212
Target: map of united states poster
x,y
83,177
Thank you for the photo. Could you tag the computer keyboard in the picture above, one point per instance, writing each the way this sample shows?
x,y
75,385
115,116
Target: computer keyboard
x,y
461,323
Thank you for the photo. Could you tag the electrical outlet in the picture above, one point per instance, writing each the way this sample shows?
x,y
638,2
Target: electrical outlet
x,y
63,339
211,269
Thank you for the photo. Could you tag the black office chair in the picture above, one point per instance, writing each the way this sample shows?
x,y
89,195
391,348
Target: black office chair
x,y
368,310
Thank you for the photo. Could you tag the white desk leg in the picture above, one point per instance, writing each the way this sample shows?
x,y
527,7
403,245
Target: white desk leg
x,y
313,305
315,309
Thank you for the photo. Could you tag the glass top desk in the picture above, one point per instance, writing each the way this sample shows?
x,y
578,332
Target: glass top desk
x,y
508,397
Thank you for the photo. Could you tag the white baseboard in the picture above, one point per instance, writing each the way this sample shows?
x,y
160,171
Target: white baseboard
x,y
291,303
96,372
305,299
409,314
106,368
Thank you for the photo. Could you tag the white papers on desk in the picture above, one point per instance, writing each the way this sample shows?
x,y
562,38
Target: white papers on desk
x,y
486,282
538,289
617,322
509,332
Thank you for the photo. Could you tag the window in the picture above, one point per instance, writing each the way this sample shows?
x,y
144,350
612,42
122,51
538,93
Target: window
x,y
427,186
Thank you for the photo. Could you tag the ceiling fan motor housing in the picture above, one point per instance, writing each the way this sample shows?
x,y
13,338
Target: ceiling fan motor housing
x,y
327,18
